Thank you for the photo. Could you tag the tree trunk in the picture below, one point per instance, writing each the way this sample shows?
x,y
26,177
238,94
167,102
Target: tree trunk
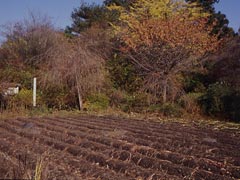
x,y
164,95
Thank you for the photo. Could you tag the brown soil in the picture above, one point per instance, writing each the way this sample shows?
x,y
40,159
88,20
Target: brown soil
x,y
116,149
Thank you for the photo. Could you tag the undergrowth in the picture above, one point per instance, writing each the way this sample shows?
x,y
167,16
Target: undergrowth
x,y
156,113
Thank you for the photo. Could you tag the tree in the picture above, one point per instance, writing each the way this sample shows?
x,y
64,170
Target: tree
x,y
123,3
206,4
68,69
222,97
163,39
95,21
88,15
28,42
85,16
220,20
227,64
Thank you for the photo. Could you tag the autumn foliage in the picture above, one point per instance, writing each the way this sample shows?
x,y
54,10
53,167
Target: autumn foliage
x,y
164,56
164,38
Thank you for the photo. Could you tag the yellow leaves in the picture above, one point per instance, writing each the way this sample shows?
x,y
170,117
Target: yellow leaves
x,y
165,8
176,22
115,7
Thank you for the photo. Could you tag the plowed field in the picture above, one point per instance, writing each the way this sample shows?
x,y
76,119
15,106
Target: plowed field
x,y
116,149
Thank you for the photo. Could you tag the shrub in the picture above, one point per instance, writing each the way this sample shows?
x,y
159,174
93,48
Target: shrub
x,y
123,74
171,110
194,82
232,106
213,101
167,109
11,74
58,97
222,100
96,102
136,102
190,102
117,98
22,100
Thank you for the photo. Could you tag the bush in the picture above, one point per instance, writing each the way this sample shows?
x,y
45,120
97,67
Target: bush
x,y
232,106
194,82
96,102
58,97
167,109
213,101
117,98
22,100
123,74
190,102
171,110
222,100
136,102
11,74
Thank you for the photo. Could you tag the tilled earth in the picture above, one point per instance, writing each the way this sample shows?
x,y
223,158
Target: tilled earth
x,y
116,149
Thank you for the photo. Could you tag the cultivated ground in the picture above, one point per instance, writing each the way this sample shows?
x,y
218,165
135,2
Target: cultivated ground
x,y
116,149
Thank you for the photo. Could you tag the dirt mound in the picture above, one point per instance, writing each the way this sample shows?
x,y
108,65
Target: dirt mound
x,y
116,149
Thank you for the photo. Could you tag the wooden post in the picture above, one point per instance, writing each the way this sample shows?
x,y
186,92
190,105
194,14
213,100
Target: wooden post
x,y
164,96
34,91
79,93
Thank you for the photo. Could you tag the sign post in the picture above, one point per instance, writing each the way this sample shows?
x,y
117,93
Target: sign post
x,y
34,91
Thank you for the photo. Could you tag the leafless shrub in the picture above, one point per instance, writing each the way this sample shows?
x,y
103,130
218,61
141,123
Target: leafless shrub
x,y
28,42
74,64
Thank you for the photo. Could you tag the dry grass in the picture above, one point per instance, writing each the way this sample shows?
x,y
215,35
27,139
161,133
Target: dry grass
x,y
38,169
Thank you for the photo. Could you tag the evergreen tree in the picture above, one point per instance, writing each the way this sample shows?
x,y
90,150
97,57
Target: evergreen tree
x,y
85,16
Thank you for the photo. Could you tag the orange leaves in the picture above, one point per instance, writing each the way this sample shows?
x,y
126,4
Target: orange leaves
x,y
192,35
164,38
178,24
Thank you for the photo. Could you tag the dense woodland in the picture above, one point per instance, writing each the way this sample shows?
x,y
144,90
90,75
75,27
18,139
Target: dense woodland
x,y
148,56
